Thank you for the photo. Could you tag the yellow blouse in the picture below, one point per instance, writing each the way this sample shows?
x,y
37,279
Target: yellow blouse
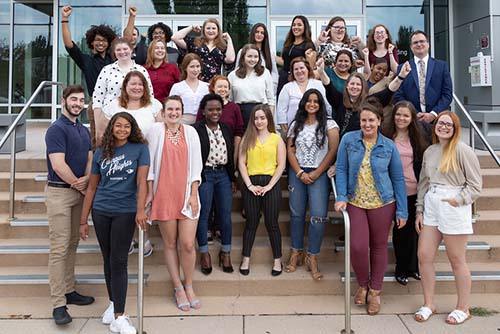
x,y
262,159
366,195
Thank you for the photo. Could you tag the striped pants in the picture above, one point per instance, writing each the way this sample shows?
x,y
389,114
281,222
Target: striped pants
x,y
270,205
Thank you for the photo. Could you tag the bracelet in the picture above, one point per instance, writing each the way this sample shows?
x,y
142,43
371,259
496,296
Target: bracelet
x,y
84,224
64,21
250,185
400,77
299,173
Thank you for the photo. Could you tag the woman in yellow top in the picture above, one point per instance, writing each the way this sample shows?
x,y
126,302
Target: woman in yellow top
x,y
261,161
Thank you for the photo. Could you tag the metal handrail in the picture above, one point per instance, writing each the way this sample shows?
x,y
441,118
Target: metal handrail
x,y
12,131
140,284
347,267
477,130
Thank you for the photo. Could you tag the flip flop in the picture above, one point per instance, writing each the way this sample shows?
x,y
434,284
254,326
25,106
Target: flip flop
x,y
459,316
424,313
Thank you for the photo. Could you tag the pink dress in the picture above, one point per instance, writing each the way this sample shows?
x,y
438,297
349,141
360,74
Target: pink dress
x,y
168,200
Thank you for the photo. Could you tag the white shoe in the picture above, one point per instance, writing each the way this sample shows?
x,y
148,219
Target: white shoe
x,y
109,315
122,325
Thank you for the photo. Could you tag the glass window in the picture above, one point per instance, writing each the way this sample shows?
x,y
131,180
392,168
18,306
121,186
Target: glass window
x,y
4,110
4,50
239,19
92,3
34,112
68,71
150,7
32,51
400,17
316,7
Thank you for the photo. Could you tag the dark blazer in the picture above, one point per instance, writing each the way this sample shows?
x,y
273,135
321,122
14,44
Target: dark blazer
x,y
438,87
201,128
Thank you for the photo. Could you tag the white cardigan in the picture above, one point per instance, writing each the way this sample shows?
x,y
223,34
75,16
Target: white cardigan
x,y
156,138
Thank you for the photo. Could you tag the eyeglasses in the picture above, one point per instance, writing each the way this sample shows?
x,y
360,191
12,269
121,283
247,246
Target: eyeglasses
x,y
161,32
338,28
99,40
380,33
448,125
420,41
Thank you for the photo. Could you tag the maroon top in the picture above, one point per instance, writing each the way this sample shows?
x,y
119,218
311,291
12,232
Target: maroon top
x,y
231,116
372,57
162,79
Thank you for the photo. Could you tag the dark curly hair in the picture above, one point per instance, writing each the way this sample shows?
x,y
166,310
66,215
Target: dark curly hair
x,y
103,30
301,117
108,140
166,29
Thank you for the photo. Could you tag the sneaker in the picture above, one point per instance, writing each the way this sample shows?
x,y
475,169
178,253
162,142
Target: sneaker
x,y
122,325
61,315
77,299
210,237
109,315
148,248
132,246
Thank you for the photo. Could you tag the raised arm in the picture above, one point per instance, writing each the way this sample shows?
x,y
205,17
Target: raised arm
x,y
230,54
129,29
178,37
66,33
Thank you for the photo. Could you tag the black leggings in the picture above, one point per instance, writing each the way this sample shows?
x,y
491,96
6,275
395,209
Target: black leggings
x,y
270,205
114,232
405,242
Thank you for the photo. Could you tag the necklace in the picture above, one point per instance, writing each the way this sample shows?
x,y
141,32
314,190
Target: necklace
x,y
174,137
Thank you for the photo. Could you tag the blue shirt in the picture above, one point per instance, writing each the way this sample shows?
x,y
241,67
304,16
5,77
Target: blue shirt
x,y
72,139
117,189
387,170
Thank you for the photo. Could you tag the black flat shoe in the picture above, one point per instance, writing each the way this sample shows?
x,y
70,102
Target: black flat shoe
x,y
277,272
77,299
401,279
61,316
415,275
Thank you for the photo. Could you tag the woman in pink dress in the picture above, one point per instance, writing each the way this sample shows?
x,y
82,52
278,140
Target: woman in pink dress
x,y
173,181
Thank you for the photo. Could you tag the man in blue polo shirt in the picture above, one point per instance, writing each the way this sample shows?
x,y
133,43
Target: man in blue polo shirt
x,y
69,158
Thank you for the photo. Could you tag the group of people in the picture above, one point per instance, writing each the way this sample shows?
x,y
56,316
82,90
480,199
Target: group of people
x,y
172,146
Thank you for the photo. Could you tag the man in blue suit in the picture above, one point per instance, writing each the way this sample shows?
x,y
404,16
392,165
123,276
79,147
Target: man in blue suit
x,y
429,85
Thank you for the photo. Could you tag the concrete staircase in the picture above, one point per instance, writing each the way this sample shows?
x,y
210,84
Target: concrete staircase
x,y
24,250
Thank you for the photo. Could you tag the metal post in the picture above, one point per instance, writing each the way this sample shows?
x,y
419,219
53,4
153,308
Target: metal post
x,y
473,146
140,282
347,267
12,179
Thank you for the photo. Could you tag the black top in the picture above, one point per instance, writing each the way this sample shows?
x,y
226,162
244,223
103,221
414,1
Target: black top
x,y
90,64
347,119
140,52
201,128
294,51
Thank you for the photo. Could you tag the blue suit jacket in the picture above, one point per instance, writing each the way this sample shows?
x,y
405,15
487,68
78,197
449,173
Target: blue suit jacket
x,y
438,87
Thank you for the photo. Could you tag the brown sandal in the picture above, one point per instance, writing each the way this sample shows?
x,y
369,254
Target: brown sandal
x,y
373,301
360,296
311,263
296,260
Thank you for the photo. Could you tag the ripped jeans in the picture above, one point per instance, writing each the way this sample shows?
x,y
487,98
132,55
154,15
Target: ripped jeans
x,y
317,196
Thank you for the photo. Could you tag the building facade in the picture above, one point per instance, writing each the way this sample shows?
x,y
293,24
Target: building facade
x,y
31,48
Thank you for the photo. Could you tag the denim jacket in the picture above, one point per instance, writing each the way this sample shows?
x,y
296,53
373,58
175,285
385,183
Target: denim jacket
x,y
386,168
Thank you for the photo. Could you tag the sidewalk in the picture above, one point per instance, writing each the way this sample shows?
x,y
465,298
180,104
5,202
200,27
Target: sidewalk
x,y
253,315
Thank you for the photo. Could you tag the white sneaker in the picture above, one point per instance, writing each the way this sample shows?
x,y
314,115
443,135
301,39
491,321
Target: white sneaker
x,y
109,315
122,325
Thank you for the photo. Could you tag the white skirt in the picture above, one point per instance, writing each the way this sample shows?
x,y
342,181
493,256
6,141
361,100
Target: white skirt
x,y
447,218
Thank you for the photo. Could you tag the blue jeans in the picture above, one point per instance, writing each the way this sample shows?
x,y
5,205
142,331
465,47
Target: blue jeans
x,y
317,195
217,183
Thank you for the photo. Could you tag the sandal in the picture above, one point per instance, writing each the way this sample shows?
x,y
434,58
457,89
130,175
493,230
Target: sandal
x,y
195,304
459,316
181,306
424,313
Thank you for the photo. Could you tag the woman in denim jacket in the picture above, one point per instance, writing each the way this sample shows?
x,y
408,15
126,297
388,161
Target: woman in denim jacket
x,y
371,187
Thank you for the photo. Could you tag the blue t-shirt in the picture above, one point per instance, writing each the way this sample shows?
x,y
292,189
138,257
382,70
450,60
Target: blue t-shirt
x,y
117,189
72,139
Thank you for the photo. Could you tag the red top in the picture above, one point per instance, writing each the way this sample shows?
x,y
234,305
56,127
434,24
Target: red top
x,y
372,57
162,79
231,116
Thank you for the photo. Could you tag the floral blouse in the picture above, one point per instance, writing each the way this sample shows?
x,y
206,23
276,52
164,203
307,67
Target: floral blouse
x,y
212,60
328,51
366,195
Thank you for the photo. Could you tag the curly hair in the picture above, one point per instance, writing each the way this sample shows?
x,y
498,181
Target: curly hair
x,y
103,30
302,114
108,140
166,29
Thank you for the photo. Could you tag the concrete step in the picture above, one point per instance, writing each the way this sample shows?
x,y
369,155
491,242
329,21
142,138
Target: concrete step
x,y
25,181
485,279
34,164
485,159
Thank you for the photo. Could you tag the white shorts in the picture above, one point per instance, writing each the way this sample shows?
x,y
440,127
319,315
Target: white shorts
x,y
448,219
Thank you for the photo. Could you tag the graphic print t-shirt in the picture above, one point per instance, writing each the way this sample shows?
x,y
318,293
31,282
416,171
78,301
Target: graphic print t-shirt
x,y
117,189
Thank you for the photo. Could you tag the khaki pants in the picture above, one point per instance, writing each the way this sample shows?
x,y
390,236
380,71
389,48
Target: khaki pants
x,y
90,116
64,208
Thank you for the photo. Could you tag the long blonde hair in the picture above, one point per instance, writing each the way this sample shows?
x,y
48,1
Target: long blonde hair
x,y
250,137
150,59
448,161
